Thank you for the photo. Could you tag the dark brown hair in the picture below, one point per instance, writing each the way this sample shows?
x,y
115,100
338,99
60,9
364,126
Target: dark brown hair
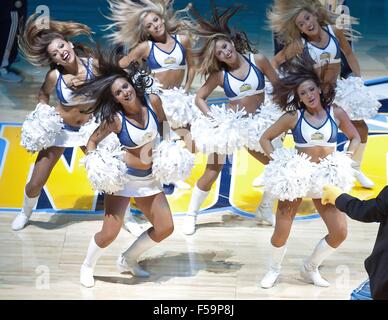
x,y
293,73
108,71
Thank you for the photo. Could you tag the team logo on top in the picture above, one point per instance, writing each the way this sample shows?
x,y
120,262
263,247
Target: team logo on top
x,y
317,136
245,87
325,57
169,60
147,137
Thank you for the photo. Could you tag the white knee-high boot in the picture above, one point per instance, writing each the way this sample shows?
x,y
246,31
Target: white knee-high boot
x,y
276,258
357,158
264,210
309,270
93,254
127,261
130,224
24,215
197,198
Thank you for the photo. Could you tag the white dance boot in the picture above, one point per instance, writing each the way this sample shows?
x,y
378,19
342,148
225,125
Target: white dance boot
x,y
130,224
24,215
197,198
277,255
361,177
189,223
309,270
127,261
264,210
87,268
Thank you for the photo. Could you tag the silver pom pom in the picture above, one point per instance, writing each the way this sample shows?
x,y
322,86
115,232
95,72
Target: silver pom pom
x,y
111,141
88,128
357,100
179,107
106,170
336,169
171,162
155,88
261,121
222,131
40,128
288,175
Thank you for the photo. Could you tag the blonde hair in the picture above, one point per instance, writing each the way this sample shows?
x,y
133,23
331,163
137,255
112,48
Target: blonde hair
x,y
206,55
212,31
283,13
34,40
127,19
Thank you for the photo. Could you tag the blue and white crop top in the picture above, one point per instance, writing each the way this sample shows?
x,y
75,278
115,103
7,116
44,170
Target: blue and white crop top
x,y
65,93
307,135
132,136
159,60
253,83
321,56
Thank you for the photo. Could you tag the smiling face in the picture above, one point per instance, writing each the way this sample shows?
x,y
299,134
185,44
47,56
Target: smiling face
x,y
225,51
154,25
307,23
61,52
122,91
309,94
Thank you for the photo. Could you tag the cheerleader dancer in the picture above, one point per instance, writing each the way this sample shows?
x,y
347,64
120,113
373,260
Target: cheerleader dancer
x,y
151,32
70,65
136,118
307,28
332,6
314,123
228,61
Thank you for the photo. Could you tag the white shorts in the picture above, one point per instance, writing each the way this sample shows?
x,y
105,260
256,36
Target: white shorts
x,y
141,184
70,137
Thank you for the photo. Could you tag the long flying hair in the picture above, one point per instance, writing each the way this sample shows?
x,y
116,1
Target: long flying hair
x,y
34,40
108,71
294,72
127,19
216,29
283,13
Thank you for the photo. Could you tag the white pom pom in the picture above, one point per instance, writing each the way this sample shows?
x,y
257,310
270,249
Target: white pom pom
x,y
223,131
271,112
111,141
171,162
40,128
155,88
259,122
88,128
288,175
356,99
179,107
256,127
336,169
106,170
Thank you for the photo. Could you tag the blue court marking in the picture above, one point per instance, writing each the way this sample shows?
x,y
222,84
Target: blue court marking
x,y
374,82
3,145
